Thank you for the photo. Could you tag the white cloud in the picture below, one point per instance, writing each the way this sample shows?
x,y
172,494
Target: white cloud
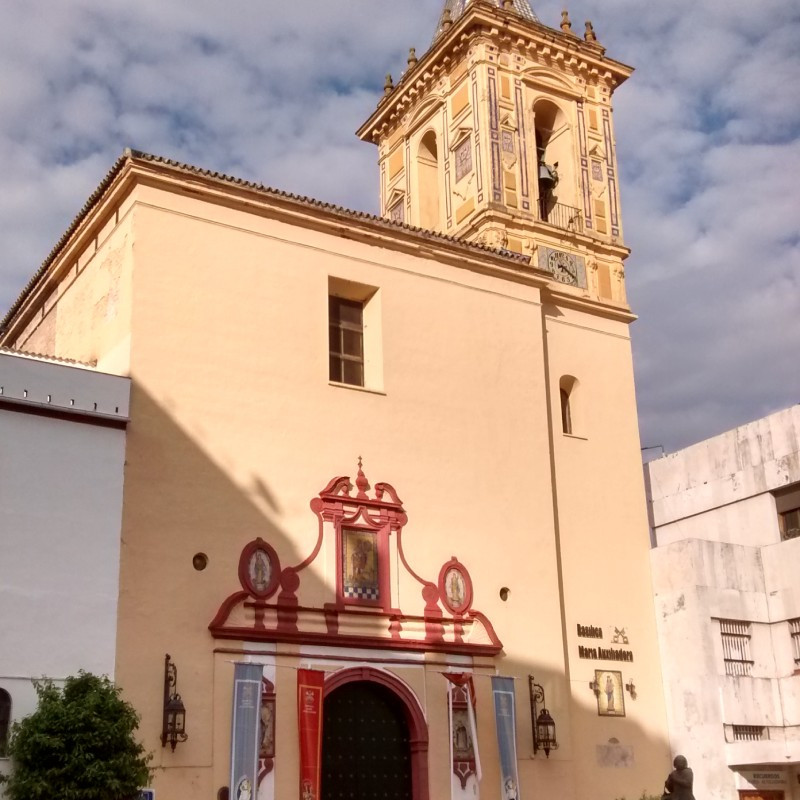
x,y
708,134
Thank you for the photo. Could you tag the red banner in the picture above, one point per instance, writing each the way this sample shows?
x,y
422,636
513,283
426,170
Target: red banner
x,y
309,718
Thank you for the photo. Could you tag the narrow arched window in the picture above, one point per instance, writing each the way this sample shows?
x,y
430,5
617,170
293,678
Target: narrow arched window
x,y
566,414
568,391
5,721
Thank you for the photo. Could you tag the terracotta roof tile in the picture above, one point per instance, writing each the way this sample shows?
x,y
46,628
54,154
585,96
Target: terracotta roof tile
x,y
42,357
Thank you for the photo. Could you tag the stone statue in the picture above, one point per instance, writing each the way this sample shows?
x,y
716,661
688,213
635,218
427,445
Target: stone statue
x,y
678,785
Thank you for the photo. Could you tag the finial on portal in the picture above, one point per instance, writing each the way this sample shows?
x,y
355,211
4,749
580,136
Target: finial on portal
x,y
388,86
362,484
566,23
447,20
412,57
508,5
590,35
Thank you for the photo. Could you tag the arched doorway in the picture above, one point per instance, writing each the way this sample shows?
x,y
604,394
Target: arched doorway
x,y
374,738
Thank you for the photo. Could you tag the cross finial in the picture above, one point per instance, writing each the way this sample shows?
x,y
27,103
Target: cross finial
x,y
362,484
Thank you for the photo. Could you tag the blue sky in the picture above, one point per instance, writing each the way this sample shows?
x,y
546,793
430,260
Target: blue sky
x,y
708,135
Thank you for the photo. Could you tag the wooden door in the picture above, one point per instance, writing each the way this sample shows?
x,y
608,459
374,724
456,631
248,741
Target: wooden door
x,y
365,744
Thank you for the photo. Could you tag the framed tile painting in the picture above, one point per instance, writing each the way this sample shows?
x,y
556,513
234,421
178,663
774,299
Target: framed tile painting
x,y
360,565
608,688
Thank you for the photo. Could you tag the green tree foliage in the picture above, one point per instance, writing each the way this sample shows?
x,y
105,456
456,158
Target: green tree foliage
x,y
78,745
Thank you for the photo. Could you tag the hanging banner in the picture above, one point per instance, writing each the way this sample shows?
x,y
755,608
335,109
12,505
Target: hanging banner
x,y
309,720
506,723
464,755
245,738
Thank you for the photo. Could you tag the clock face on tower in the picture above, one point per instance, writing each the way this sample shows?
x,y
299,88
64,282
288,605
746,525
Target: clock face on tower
x,y
564,268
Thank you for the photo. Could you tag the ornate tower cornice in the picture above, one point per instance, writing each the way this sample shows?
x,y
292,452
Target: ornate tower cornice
x,y
502,133
487,19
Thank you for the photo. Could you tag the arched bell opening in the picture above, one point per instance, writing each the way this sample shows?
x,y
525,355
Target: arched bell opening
x,y
374,734
556,171
428,182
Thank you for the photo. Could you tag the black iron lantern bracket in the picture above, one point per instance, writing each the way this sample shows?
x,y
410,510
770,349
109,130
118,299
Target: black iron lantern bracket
x,y
544,726
173,724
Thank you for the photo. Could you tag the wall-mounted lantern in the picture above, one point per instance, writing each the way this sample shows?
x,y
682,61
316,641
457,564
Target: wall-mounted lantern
x,y
173,725
631,688
595,687
544,726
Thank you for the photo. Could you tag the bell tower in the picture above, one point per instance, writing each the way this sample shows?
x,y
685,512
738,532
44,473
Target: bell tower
x,y
502,133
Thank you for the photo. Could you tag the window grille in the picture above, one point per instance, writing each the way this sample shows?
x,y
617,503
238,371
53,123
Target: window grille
x,y
794,629
749,733
736,646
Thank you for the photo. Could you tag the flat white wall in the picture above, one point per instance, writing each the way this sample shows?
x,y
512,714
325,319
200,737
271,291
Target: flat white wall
x,y
60,516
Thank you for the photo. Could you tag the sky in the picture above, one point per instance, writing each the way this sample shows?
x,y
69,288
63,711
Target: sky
x,y
707,128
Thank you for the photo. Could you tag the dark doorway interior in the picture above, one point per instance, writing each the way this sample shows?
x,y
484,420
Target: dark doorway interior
x,y
365,744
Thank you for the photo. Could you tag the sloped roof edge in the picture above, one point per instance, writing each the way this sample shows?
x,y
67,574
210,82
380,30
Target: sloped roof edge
x,y
131,155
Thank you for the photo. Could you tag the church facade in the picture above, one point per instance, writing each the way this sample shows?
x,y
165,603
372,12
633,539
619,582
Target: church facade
x,y
376,465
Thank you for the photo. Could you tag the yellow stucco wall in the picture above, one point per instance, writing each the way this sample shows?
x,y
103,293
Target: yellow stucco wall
x,y
235,427
220,317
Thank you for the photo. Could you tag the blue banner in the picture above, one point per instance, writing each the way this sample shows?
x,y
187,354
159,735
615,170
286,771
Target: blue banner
x,y
245,740
506,722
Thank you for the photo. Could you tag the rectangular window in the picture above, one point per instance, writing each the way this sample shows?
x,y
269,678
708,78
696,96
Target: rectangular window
x,y
789,522
787,504
346,340
794,630
736,646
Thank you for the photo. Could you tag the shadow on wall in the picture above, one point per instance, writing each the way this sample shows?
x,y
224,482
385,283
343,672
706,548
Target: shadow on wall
x,y
181,502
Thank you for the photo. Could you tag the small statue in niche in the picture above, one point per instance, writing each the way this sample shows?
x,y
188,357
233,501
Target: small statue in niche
x,y
678,785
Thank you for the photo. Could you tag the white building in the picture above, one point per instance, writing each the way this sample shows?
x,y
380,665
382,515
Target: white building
x,y
62,452
726,523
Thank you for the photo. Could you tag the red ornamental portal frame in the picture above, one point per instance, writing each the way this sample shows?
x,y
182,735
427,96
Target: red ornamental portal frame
x,y
363,532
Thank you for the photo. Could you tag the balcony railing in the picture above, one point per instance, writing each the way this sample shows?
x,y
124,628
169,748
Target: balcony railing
x,y
560,215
